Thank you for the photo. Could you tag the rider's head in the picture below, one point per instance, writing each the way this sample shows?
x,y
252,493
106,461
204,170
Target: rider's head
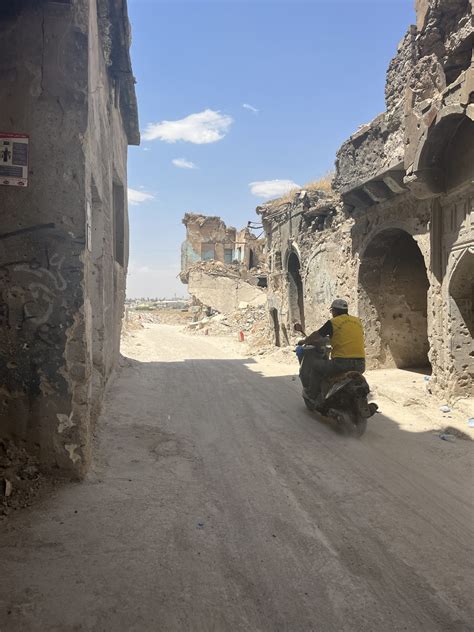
x,y
339,306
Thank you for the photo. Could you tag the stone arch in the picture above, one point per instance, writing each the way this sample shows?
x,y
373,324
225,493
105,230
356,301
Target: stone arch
x,y
392,300
461,321
295,289
445,156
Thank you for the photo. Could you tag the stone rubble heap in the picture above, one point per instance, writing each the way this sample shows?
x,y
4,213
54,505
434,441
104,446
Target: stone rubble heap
x,y
249,324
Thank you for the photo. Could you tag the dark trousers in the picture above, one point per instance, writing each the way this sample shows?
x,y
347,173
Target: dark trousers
x,y
315,369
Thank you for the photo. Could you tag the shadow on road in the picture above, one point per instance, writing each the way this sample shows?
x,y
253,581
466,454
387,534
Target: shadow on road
x,y
217,502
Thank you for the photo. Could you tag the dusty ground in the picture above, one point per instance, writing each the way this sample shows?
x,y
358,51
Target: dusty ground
x,y
217,503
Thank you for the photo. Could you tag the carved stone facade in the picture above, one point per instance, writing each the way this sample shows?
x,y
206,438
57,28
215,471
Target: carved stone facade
x,y
67,84
398,240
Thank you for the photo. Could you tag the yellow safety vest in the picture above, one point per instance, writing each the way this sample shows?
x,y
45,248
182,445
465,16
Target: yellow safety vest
x,y
347,338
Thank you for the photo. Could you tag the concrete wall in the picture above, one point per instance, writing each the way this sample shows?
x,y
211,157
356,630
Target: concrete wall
x,y
61,287
223,293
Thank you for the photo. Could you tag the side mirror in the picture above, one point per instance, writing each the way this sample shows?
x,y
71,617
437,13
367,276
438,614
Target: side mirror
x,y
297,327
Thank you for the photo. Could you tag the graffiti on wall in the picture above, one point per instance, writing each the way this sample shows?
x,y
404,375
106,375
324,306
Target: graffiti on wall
x,y
31,279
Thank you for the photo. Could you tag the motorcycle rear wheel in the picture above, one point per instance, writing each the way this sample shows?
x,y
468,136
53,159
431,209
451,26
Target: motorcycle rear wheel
x,y
352,425
360,427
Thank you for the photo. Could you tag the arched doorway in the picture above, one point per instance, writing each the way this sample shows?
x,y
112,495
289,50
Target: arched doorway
x,y
461,309
251,259
445,159
393,287
276,326
295,290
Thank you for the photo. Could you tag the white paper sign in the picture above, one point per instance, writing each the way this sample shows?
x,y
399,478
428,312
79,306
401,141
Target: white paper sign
x,y
14,159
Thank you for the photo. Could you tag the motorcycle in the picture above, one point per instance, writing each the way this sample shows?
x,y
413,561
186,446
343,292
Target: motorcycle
x,y
342,397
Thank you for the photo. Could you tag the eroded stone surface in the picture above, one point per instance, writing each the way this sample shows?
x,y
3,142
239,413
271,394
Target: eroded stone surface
x,y
398,242
67,83
222,267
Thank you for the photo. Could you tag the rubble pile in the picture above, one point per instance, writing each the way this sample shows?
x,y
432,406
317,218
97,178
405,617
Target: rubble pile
x,y
214,268
230,270
20,477
249,324
137,319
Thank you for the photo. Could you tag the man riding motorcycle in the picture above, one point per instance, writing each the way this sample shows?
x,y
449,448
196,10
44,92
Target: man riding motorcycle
x,y
348,353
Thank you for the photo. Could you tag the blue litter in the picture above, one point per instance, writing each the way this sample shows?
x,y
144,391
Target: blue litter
x,y
447,437
299,352
470,422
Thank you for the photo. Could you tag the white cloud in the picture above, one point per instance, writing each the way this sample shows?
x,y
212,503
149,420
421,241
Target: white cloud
x,y
200,128
247,106
272,188
182,163
138,197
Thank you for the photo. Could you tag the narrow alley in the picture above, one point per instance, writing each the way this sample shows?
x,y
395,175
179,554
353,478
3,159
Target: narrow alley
x,y
216,502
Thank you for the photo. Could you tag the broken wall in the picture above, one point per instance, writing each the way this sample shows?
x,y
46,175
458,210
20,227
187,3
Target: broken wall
x,y
400,242
223,290
207,239
249,251
63,242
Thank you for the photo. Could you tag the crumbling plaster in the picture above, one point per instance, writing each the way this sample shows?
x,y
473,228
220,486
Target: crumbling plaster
x,y
57,234
202,231
405,182
219,264
222,291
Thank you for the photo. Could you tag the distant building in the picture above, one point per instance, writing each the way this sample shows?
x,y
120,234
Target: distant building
x,y
209,239
222,267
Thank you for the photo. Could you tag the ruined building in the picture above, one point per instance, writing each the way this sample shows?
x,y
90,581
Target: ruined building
x,y
209,239
397,236
67,114
221,266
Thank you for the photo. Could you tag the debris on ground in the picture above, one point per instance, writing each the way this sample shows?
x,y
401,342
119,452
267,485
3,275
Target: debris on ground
x,y
445,409
456,433
137,319
447,437
20,477
248,322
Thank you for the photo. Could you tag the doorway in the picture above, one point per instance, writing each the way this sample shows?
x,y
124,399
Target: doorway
x,y
295,290
393,286
276,326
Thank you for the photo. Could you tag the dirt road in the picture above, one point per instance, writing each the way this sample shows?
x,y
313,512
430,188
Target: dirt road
x,y
217,503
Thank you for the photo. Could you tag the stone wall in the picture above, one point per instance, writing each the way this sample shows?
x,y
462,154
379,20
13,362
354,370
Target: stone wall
x,y
207,239
221,266
223,289
63,241
398,243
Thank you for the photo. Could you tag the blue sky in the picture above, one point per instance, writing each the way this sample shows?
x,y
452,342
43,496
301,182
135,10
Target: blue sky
x,y
309,73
